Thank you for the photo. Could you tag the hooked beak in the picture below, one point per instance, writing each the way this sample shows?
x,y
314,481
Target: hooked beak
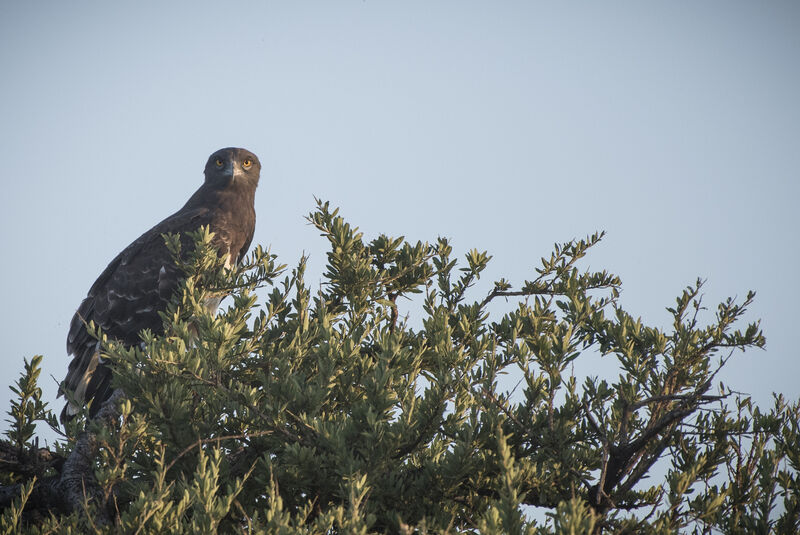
x,y
238,172
232,173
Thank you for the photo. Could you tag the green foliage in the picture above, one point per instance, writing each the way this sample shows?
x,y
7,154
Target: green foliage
x,y
11,520
28,407
333,411
20,456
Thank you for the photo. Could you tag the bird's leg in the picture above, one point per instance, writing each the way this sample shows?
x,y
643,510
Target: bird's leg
x,y
78,485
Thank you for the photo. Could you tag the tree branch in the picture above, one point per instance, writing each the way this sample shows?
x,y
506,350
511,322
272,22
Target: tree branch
x,y
75,487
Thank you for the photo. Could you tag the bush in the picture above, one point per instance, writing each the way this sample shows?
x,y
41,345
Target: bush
x,y
333,412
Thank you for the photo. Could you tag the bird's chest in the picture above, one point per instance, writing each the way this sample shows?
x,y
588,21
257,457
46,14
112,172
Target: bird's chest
x,y
230,233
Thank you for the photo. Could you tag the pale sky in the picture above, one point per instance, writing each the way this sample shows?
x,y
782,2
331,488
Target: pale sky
x,y
505,126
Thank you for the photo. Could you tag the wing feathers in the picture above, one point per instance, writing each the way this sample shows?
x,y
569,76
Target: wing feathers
x,y
139,281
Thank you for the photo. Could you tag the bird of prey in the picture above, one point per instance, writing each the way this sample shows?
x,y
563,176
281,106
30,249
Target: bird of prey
x,y
127,297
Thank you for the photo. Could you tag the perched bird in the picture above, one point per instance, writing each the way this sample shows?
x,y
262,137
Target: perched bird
x,y
127,297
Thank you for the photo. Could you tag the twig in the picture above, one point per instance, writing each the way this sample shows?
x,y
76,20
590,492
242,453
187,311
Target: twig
x,y
534,291
676,397
203,441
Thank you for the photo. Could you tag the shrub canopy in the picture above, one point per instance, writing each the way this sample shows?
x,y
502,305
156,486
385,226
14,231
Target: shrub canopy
x,y
348,408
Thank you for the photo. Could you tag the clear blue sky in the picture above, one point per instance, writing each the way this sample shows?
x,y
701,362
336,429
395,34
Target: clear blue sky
x,y
505,126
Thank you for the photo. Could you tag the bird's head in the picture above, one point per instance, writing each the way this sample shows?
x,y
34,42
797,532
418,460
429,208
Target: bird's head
x,y
232,167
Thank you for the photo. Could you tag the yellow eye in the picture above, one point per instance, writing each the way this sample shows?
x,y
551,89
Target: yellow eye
x,y
247,163
218,162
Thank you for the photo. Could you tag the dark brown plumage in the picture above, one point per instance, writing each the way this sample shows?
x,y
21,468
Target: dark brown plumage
x,y
138,283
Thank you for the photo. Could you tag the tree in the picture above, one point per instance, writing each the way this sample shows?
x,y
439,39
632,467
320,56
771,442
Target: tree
x,y
334,412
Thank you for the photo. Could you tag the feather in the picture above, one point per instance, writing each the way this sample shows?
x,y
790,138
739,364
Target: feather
x,y
138,283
